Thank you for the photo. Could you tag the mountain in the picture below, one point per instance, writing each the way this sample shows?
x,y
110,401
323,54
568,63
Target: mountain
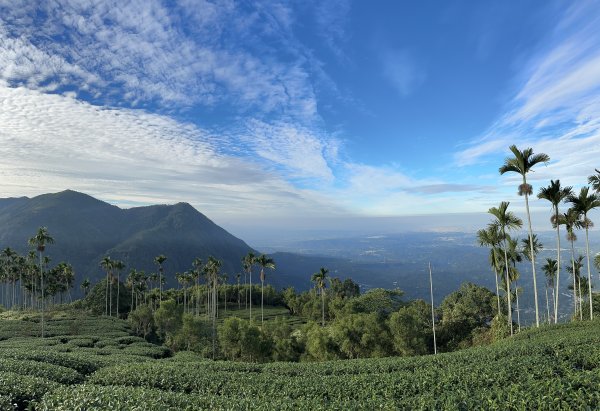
x,y
86,229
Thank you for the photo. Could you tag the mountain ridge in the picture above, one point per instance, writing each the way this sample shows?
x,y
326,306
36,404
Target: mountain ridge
x,y
86,229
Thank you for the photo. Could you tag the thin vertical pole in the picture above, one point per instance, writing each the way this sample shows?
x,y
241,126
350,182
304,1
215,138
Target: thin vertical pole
x,y
432,310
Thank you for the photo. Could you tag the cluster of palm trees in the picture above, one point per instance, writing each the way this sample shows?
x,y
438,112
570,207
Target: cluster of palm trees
x,y
149,289
263,261
111,267
505,251
29,282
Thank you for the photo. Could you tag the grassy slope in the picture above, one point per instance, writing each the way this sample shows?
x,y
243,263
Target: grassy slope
x,y
93,364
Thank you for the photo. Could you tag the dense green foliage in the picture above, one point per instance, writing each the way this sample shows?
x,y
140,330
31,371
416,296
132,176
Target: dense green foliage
x,y
553,367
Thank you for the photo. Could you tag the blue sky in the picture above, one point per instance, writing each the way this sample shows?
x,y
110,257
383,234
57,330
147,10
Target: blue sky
x,y
297,112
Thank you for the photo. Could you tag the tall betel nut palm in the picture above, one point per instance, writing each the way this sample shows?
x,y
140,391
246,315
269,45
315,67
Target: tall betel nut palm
x,y
320,280
506,220
583,204
248,261
522,163
39,241
264,262
491,237
555,194
159,260
107,265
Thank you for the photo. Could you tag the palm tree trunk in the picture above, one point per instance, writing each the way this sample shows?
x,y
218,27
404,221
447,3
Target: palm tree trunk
x,y
537,315
42,287
497,290
580,299
118,291
553,299
198,295
262,293
106,295
110,296
547,306
557,269
587,252
574,282
323,304
507,285
250,272
518,309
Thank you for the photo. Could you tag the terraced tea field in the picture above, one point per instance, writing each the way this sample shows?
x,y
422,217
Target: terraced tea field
x,y
95,364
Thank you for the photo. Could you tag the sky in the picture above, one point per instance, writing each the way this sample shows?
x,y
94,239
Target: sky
x,y
298,114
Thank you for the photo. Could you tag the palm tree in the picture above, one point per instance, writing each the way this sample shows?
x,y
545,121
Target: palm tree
x,y
594,181
85,286
506,220
8,262
248,261
264,262
118,265
522,163
159,260
238,276
132,282
491,238
550,271
515,256
571,220
39,241
212,268
555,194
197,273
583,204
526,252
575,271
320,280
107,265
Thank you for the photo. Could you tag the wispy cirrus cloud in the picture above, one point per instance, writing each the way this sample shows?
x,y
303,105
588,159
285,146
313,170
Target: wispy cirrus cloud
x,y
556,106
331,17
301,152
141,52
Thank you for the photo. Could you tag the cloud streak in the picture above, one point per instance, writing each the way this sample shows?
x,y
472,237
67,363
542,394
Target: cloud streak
x,y
556,108
51,142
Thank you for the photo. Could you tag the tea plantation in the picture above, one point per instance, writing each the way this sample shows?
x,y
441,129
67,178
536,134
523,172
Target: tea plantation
x,y
94,363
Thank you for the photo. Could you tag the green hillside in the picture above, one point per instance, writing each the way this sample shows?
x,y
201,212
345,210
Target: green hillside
x,y
86,229
93,363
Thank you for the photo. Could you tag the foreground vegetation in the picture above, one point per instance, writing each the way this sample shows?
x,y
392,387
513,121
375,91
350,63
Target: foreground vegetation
x,y
168,353
94,363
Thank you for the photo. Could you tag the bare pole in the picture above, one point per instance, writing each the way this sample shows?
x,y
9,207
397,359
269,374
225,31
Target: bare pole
x,y
432,310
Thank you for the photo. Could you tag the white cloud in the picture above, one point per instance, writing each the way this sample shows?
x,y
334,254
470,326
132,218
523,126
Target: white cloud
x,y
51,143
301,152
401,70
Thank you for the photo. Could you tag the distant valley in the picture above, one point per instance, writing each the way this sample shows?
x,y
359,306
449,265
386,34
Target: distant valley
x,y
87,229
